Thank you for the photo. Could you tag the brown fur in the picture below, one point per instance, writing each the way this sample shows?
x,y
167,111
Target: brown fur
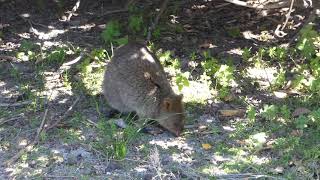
x,y
135,81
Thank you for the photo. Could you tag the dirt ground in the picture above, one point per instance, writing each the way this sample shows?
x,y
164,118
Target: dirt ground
x,y
66,151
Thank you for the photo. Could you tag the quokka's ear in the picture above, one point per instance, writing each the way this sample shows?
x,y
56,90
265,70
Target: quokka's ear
x,y
167,104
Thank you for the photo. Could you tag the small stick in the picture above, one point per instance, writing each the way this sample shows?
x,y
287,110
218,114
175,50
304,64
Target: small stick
x,y
30,146
61,177
258,6
74,9
15,104
156,20
288,15
310,19
3,121
66,114
125,9
8,58
67,65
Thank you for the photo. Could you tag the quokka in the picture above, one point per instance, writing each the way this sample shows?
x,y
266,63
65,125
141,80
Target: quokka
x,y
135,81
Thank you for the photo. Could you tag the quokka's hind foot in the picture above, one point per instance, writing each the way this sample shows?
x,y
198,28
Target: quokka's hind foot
x,y
152,129
129,116
112,113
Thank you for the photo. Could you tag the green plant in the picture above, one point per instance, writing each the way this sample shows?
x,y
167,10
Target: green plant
x,y
224,75
277,53
285,112
27,46
164,57
234,32
115,142
269,112
251,114
224,78
193,56
135,23
280,80
92,71
57,56
210,64
27,51
246,54
182,80
112,34
156,33
301,122
306,42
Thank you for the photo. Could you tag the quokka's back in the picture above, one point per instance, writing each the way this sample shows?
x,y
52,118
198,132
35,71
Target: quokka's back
x,y
136,82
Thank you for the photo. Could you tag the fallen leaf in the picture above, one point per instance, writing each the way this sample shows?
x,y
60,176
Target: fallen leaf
x,y
152,130
296,133
206,146
277,170
206,45
120,123
232,112
202,128
280,94
229,97
300,111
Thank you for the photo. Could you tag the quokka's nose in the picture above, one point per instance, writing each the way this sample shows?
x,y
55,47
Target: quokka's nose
x,y
177,133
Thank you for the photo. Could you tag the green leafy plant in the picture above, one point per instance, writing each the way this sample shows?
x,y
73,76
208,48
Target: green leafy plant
x,y
251,114
285,112
306,41
246,54
269,112
112,34
301,122
182,80
280,80
27,51
57,56
164,57
224,75
135,23
113,141
234,32
224,78
193,56
277,53
27,46
210,65
156,33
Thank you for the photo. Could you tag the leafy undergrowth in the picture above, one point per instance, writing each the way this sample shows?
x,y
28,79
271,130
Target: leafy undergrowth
x,y
257,118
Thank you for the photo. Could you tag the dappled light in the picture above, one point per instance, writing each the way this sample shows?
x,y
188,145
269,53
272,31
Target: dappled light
x,y
128,89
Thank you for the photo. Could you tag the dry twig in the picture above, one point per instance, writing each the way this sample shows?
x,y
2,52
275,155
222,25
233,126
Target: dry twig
x,y
15,104
156,20
3,121
246,176
125,9
8,58
280,4
32,144
67,65
41,129
59,177
65,115
288,15
310,19
74,9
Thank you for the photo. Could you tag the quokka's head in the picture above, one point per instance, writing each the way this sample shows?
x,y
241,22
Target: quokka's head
x,y
172,114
